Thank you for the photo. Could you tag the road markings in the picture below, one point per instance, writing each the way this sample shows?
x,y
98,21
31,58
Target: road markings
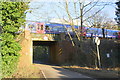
x,y
43,73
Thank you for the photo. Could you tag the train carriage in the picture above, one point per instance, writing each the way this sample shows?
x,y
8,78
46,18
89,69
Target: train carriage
x,y
56,28
35,27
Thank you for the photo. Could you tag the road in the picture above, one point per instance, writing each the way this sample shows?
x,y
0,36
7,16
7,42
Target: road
x,y
56,72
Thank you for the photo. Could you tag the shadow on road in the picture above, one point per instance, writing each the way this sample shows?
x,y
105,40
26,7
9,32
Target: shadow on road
x,y
55,72
44,63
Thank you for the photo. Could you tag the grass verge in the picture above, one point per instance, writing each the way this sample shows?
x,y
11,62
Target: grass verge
x,y
31,71
95,73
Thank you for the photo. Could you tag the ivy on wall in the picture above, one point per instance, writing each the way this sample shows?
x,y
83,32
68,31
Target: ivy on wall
x,y
13,16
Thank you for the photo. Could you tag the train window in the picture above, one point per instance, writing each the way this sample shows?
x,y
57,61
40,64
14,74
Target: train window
x,y
41,27
62,29
56,28
69,29
47,28
38,26
31,26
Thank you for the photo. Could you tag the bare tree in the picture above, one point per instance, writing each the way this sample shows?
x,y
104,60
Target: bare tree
x,y
81,10
101,20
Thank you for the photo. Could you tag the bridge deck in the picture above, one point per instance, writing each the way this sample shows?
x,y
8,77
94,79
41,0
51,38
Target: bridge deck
x,y
44,37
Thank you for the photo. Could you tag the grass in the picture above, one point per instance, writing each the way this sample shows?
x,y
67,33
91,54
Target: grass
x,y
31,71
95,73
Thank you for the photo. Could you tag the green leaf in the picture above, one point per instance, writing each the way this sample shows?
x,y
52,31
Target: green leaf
x,y
13,17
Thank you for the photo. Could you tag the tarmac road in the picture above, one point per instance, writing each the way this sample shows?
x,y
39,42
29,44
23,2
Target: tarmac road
x,y
51,72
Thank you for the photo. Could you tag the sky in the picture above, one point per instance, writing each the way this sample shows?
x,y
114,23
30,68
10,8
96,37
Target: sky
x,y
44,10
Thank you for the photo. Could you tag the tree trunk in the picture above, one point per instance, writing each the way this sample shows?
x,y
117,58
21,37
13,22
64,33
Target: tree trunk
x,y
103,32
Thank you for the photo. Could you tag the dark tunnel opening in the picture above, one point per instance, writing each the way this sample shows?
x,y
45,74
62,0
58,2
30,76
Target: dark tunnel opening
x,y
42,52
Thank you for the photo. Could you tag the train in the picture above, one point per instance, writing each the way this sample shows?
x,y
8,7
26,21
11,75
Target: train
x,y
57,28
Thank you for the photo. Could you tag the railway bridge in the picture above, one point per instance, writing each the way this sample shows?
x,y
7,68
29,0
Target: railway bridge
x,y
53,42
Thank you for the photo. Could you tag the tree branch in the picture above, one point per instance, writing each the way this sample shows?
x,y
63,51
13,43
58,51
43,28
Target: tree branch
x,y
90,7
95,13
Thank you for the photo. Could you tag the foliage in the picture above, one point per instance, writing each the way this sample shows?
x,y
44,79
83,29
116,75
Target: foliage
x,y
88,56
41,53
13,16
118,14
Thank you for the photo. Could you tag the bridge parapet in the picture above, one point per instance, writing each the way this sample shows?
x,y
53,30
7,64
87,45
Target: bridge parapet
x,y
45,37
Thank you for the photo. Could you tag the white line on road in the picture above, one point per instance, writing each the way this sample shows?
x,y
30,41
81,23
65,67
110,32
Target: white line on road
x,y
43,74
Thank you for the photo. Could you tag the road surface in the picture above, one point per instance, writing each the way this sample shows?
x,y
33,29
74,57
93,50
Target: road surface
x,y
58,73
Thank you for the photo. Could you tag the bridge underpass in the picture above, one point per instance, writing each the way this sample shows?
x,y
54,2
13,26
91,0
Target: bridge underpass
x,y
44,52
57,52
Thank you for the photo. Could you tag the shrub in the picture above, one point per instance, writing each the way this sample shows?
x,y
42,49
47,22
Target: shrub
x,y
13,16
